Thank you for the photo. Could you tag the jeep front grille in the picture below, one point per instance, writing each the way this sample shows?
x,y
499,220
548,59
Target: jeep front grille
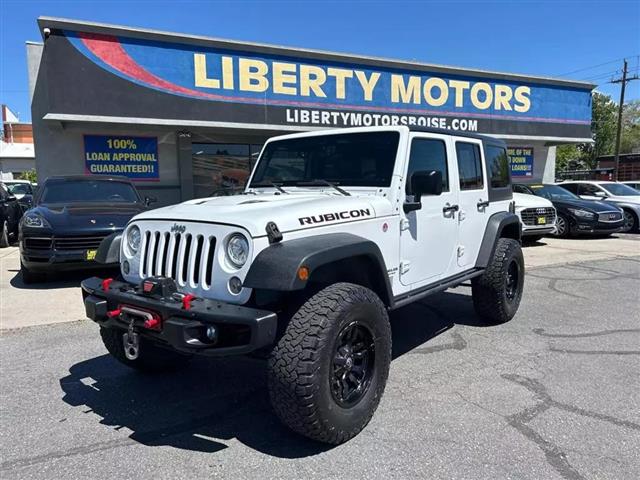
x,y
186,258
608,217
530,215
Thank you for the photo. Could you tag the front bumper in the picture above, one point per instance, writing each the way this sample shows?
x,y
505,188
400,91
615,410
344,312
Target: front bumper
x,y
528,230
239,329
597,228
38,253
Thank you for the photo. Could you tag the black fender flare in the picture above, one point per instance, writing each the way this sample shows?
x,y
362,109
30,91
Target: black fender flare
x,y
109,249
500,224
276,267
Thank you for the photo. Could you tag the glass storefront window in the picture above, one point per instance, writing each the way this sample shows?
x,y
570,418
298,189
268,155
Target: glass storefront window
x,y
222,168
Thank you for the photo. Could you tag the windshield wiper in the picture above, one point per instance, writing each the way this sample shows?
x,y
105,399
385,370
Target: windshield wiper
x,y
271,184
320,181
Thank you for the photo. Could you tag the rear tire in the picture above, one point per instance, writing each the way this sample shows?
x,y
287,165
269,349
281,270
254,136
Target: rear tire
x,y
328,371
498,291
151,359
4,235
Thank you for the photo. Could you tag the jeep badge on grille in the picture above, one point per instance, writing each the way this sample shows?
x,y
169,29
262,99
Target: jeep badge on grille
x,y
178,228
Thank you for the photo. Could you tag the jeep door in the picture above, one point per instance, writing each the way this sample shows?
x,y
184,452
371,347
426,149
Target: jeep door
x,y
473,199
429,235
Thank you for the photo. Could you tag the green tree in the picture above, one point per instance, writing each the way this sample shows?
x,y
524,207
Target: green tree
x,y
29,175
604,116
603,129
630,140
567,156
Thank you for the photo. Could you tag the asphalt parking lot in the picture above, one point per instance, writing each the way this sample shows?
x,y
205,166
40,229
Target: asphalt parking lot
x,y
555,393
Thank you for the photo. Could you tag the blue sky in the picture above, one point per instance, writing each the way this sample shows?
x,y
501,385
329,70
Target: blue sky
x,y
549,38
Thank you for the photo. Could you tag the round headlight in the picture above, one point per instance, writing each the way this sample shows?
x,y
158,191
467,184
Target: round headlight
x,y
237,249
133,239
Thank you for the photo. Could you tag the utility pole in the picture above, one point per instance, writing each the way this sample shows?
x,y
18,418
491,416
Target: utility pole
x,y
624,81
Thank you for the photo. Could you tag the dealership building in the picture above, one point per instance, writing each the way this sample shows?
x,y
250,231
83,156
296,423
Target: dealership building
x,y
185,116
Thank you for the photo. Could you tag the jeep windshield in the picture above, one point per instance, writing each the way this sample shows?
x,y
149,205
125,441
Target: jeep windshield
x,y
350,159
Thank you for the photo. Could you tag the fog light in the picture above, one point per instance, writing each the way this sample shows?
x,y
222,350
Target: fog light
x,y
212,333
125,267
235,285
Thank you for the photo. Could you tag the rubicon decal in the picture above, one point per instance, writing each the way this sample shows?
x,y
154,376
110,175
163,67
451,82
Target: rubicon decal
x,y
331,217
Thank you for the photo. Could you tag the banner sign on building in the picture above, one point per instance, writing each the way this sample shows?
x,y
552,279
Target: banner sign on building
x,y
215,81
521,161
132,157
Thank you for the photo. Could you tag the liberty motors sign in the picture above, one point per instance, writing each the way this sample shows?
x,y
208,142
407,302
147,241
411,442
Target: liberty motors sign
x,y
139,77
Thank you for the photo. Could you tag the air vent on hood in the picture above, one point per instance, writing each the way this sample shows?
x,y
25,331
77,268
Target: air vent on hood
x,y
252,201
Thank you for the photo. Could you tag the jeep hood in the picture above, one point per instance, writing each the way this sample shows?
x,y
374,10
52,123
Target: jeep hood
x,y
292,211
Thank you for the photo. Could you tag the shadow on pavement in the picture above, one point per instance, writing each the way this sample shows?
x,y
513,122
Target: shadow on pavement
x,y
59,279
217,400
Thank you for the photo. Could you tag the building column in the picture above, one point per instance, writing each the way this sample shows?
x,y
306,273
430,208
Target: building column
x,y
549,174
185,165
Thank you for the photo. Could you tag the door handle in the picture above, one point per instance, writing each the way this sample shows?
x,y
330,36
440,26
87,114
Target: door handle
x,y
450,208
483,204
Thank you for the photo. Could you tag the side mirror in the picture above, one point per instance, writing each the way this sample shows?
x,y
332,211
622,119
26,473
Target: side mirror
x,y
149,200
423,182
11,198
426,182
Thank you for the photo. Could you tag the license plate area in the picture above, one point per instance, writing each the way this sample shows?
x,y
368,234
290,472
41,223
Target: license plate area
x,y
542,221
90,255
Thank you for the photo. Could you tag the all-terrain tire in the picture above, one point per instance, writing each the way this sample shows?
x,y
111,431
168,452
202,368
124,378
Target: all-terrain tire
x,y
303,365
498,291
151,359
4,235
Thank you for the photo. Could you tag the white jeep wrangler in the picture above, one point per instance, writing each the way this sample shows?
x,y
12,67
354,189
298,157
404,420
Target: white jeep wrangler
x,y
334,230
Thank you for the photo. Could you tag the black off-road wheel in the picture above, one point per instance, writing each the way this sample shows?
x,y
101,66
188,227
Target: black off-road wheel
x,y
498,291
151,358
328,371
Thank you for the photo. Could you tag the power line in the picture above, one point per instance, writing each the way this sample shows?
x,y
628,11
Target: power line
x,y
600,75
595,66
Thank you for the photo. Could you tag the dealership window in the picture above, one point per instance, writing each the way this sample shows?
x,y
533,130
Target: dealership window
x,y
428,155
469,166
499,164
222,168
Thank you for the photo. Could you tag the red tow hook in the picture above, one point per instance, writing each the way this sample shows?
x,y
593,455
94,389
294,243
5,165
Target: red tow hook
x,y
106,284
186,301
152,323
114,313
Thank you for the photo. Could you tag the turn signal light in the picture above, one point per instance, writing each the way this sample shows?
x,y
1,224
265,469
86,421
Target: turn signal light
x,y
303,274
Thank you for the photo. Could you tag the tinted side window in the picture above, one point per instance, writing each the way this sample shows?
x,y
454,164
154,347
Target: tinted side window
x,y
469,166
3,193
428,154
572,187
498,163
587,189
